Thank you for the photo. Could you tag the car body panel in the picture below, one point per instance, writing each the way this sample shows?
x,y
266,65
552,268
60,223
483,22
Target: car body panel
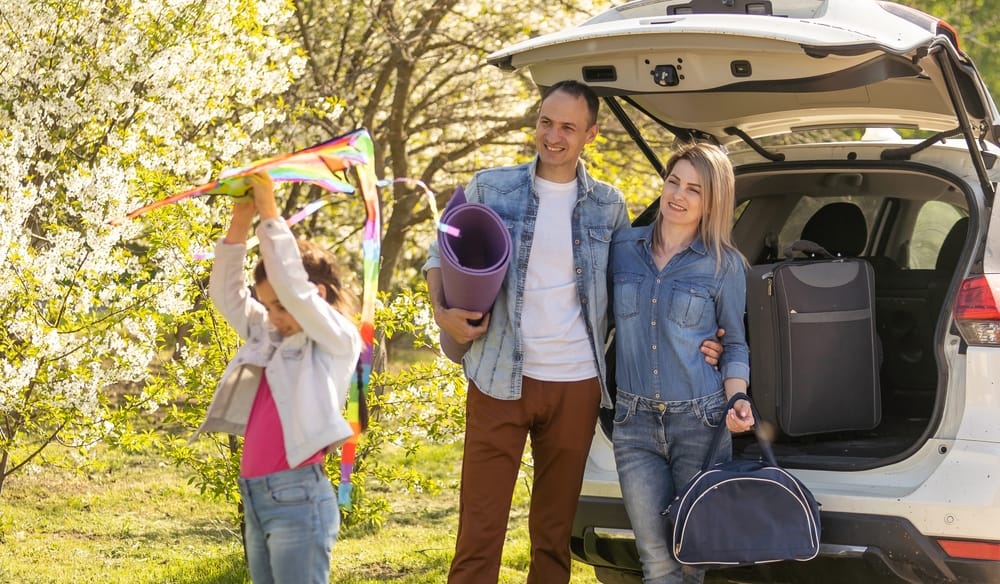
x,y
825,64
855,64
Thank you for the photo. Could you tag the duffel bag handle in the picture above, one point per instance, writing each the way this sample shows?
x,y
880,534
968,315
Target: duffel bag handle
x,y
758,431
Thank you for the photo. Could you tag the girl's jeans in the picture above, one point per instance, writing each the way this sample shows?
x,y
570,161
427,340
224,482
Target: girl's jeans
x,y
659,447
292,521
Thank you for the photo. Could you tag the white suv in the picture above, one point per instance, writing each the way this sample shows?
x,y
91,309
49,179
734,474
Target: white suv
x,y
811,97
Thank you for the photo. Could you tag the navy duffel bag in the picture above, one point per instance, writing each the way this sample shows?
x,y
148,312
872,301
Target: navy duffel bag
x,y
743,512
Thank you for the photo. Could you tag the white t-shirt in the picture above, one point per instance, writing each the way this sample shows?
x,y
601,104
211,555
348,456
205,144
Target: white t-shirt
x,y
556,346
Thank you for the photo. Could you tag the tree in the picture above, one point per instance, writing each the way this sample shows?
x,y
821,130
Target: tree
x,y
414,73
978,25
106,105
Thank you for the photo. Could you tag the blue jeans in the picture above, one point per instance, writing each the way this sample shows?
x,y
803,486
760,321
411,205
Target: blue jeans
x,y
659,447
292,521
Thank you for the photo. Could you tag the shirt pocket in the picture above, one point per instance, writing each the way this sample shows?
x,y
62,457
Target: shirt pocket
x,y
600,247
688,304
293,354
626,293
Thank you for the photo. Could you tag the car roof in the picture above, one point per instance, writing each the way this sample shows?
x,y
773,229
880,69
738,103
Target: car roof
x,y
808,64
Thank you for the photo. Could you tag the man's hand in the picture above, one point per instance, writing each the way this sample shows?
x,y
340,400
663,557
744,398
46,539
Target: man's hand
x,y
463,326
712,348
458,323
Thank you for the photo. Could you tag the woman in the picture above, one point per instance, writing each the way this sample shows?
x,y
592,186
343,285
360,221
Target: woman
x,y
674,283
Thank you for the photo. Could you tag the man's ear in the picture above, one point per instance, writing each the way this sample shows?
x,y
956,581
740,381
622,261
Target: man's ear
x,y
592,133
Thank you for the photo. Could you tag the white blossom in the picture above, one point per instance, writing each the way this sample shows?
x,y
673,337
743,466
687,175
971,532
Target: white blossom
x,y
104,106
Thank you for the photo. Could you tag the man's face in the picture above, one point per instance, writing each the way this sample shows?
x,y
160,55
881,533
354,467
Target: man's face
x,y
562,130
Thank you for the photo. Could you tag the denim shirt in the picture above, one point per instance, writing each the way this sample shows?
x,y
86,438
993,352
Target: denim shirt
x,y
494,362
662,317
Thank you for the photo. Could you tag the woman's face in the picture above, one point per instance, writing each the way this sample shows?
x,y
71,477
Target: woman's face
x,y
681,200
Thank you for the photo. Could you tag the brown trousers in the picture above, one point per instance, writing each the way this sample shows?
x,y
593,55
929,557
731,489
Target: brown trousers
x,y
560,418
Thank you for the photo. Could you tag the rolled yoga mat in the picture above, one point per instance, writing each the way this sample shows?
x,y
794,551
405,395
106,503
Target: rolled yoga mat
x,y
473,263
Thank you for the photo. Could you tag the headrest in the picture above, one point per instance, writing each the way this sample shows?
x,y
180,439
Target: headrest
x,y
839,227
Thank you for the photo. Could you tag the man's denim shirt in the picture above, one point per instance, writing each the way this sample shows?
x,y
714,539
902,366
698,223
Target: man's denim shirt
x,y
494,362
662,317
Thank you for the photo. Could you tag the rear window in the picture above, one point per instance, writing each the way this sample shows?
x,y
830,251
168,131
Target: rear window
x,y
934,221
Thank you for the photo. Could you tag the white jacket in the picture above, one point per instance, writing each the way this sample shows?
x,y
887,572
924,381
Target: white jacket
x,y
309,372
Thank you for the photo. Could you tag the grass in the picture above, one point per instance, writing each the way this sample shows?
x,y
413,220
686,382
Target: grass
x,y
134,519
130,519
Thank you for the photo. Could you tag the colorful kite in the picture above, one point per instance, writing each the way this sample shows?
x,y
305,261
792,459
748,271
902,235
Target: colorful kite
x,y
320,165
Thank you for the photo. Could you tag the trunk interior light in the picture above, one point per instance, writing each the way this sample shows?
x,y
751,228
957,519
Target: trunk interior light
x,y
976,313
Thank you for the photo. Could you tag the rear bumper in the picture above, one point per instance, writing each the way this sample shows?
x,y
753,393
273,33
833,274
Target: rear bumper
x,y
865,548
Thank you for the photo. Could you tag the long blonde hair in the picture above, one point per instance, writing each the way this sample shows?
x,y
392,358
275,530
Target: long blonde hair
x,y
718,195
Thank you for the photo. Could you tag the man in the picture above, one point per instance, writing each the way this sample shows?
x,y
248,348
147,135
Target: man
x,y
536,364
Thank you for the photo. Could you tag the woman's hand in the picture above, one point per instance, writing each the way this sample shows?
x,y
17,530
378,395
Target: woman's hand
x,y
739,418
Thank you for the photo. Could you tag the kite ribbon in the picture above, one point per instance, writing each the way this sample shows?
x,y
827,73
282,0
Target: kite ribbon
x,y
357,404
318,165
314,165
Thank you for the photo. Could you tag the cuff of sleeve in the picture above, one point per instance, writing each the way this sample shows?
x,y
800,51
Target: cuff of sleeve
x,y
273,225
433,258
222,247
737,370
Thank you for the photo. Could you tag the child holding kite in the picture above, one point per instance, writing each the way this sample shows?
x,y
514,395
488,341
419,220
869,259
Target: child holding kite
x,y
284,389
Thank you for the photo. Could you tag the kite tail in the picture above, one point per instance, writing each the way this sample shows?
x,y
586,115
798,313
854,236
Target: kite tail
x,y
357,402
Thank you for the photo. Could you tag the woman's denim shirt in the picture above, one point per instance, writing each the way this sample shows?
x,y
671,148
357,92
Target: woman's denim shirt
x,y
662,317
494,362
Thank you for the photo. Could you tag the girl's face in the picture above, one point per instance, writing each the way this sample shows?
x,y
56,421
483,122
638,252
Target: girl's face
x,y
280,318
681,198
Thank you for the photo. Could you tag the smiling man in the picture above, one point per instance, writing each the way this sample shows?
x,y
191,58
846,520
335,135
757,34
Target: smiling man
x,y
536,365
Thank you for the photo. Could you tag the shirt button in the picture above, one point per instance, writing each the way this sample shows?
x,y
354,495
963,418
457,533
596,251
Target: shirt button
x,y
653,347
652,323
579,270
661,407
576,242
656,371
654,300
657,280
583,300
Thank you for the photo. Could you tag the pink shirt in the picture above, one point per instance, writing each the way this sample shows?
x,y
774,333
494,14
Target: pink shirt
x,y
263,443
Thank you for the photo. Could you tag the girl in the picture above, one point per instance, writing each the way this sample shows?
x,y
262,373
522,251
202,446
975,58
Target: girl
x,y
284,389
674,283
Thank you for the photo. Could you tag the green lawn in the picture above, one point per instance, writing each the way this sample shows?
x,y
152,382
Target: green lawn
x,y
134,519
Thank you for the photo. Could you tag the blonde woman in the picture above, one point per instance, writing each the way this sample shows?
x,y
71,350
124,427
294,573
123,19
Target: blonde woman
x,y
675,283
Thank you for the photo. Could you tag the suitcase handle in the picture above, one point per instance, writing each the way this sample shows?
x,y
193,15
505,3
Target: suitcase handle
x,y
758,431
807,247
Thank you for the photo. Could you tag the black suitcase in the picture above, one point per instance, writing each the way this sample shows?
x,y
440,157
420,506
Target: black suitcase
x,y
814,351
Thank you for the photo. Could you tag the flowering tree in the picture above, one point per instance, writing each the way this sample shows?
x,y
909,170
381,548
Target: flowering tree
x,y
105,105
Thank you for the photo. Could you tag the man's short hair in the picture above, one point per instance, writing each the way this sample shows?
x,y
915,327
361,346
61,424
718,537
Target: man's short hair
x,y
576,89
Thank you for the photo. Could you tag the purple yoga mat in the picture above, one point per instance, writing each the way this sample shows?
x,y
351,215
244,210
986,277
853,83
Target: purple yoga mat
x,y
473,264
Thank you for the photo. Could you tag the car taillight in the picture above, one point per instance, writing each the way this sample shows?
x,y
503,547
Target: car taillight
x,y
972,550
976,312
950,32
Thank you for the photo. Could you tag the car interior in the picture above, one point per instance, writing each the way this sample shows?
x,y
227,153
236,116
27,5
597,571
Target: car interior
x,y
910,225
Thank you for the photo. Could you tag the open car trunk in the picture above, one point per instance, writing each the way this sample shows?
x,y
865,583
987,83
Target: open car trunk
x,y
739,73
917,219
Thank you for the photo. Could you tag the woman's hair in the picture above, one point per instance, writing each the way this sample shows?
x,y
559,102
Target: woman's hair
x,y
323,270
718,196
